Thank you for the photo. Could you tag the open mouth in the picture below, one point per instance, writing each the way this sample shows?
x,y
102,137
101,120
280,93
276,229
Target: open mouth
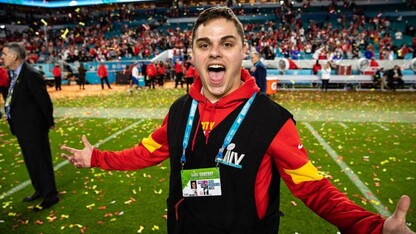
x,y
216,73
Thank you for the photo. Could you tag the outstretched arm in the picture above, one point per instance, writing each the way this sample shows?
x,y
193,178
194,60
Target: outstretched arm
x,y
79,158
397,222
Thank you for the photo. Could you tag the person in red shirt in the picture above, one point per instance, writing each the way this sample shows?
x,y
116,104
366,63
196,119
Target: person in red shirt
x,y
103,74
161,73
316,67
151,73
374,63
238,144
189,75
57,74
178,73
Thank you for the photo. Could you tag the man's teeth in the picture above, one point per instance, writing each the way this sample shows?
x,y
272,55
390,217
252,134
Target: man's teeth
x,y
216,66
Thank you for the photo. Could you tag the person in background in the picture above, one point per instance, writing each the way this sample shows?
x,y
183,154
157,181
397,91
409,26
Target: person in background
x,y
160,73
143,70
241,141
4,84
82,72
394,78
57,75
379,79
178,73
151,72
103,74
29,111
373,63
258,71
316,67
189,75
325,75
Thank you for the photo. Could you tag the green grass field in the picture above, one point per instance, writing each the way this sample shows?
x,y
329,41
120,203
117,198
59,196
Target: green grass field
x,y
372,133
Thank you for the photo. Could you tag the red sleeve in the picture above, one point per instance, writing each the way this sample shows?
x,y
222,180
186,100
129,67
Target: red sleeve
x,y
304,181
150,151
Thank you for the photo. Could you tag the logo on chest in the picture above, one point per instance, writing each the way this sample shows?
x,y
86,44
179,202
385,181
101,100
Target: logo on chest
x,y
232,158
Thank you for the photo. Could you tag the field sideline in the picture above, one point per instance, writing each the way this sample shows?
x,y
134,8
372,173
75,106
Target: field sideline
x,y
326,133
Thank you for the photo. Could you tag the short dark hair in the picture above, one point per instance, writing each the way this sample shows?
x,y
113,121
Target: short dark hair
x,y
218,12
17,48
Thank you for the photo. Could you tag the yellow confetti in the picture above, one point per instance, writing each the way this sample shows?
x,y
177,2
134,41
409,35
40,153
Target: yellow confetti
x,y
141,228
12,214
155,227
63,36
90,206
44,22
384,162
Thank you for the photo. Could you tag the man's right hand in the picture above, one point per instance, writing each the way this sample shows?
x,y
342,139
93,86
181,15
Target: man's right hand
x,y
79,158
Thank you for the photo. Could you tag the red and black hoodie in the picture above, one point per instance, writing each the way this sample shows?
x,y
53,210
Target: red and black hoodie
x,y
250,195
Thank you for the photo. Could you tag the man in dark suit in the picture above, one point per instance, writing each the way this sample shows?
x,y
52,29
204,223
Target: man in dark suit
x,y
258,71
394,78
29,111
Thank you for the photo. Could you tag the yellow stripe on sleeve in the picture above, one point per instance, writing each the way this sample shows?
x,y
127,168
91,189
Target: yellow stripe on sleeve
x,y
307,172
150,144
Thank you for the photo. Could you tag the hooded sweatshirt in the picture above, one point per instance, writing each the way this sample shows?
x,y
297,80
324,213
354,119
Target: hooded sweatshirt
x,y
286,152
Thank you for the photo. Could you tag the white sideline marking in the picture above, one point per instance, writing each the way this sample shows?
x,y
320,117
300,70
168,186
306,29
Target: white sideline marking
x,y
57,167
382,127
350,173
343,125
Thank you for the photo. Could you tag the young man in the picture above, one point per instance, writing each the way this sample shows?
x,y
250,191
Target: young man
x,y
237,144
29,112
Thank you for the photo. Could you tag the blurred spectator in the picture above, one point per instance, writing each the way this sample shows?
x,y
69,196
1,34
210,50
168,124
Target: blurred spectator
x,y
373,62
160,73
316,67
325,75
57,75
102,72
178,73
394,78
81,76
189,75
258,71
151,73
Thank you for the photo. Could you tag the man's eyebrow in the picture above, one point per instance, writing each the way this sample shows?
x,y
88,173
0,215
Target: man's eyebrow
x,y
224,38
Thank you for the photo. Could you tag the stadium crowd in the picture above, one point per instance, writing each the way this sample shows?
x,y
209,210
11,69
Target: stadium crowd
x,y
112,32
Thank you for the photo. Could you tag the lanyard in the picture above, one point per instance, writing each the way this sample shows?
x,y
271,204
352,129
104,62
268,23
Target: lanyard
x,y
228,138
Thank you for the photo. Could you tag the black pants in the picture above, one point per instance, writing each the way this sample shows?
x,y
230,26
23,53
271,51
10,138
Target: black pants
x,y
325,83
178,79
4,90
152,81
58,82
189,82
38,159
105,79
